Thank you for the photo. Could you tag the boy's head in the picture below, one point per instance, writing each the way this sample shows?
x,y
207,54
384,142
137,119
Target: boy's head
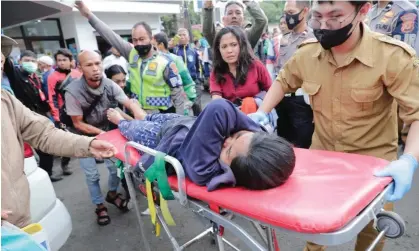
x,y
258,160
334,22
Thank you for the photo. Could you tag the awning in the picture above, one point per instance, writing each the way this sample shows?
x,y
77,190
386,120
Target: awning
x,y
18,12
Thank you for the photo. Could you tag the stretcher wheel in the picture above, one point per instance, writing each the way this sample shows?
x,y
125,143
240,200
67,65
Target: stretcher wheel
x,y
395,224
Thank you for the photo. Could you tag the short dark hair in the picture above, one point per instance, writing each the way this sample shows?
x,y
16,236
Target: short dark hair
x,y
113,70
161,38
28,53
357,4
146,26
269,162
65,52
232,3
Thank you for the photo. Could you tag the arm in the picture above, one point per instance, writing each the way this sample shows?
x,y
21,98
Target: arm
x,y
216,90
123,99
208,29
177,94
405,28
259,24
288,80
105,31
403,85
52,97
40,133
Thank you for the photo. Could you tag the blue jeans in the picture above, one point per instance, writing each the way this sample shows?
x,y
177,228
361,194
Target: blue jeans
x,y
92,178
145,131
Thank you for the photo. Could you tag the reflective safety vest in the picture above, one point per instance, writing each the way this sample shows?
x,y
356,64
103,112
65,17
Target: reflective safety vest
x,y
147,81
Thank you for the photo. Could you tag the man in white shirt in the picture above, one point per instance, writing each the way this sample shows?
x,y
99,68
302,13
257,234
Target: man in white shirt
x,y
115,58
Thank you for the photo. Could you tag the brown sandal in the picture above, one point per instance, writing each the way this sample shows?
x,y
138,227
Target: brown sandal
x,y
102,220
122,205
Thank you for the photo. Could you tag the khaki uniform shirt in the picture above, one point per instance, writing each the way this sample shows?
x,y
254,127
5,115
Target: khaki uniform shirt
x,y
354,103
19,125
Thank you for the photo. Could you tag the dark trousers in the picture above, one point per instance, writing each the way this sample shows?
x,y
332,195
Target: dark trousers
x,y
295,121
197,106
46,161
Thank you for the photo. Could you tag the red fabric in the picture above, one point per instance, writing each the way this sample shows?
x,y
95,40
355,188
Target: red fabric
x,y
249,105
53,79
325,192
258,79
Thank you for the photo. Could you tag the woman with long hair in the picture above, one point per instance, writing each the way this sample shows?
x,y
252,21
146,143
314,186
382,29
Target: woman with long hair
x,y
237,74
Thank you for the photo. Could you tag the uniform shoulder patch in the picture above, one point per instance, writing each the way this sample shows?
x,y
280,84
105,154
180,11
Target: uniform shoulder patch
x,y
395,42
308,41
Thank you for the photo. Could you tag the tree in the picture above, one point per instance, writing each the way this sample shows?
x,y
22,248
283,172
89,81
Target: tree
x,y
273,10
169,22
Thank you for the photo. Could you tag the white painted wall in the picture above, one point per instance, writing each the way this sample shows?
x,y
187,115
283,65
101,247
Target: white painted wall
x,y
76,26
68,25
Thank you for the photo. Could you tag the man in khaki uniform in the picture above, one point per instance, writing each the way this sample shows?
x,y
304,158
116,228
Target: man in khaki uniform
x,y
353,94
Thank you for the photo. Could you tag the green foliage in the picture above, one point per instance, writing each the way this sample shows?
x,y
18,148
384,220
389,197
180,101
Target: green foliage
x,y
273,10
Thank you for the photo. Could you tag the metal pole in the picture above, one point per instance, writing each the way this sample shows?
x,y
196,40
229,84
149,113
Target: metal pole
x,y
377,240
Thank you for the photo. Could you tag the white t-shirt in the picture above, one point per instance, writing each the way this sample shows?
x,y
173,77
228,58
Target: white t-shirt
x,y
112,60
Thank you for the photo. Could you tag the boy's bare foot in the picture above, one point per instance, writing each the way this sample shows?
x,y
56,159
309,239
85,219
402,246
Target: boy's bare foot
x,y
114,116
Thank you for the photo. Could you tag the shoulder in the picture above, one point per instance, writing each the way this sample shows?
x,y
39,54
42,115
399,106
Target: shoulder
x,y
405,5
393,45
309,42
258,65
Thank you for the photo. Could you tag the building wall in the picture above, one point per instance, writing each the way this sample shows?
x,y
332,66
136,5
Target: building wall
x,y
76,26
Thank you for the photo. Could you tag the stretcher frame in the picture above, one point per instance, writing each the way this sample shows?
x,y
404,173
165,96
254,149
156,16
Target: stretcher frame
x,y
265,231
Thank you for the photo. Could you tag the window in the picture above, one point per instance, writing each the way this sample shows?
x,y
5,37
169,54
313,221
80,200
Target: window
x,y
45,28
13,32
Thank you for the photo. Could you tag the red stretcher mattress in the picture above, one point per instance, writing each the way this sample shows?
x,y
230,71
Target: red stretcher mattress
x,y
325,192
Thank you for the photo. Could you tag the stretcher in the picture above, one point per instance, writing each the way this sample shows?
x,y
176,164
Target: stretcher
x,y
328,200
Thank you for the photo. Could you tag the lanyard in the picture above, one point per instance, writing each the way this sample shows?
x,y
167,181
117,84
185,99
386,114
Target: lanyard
x,y
38,86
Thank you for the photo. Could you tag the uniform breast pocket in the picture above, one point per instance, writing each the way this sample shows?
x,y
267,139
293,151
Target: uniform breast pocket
x,y
314,91
357,100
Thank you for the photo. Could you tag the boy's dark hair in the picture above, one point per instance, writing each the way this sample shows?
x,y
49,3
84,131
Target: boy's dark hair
x,y
113,70
65,52
357,4
161,38
28,53
268,164
146,27
232,3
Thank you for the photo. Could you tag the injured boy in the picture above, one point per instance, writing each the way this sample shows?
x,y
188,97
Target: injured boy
x,y
222,146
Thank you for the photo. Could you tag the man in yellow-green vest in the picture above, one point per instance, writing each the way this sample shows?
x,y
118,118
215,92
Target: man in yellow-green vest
x,y
154,78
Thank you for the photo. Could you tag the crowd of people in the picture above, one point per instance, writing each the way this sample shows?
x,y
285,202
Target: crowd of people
x,y
328,78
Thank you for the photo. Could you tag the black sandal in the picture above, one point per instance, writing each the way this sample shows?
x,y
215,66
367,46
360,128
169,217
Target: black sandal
x,y
102,220
123,205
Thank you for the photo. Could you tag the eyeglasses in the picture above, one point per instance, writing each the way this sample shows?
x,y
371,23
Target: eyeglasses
x,y
332,24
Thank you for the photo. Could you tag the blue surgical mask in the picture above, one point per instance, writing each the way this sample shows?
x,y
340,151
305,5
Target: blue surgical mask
x,y
29,67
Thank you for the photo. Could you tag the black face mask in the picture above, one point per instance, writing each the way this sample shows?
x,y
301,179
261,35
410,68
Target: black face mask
x,y
143,50
292,20
171,50
65,71
331,38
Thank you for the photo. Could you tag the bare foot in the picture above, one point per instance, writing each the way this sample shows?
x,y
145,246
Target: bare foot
x,y
114,116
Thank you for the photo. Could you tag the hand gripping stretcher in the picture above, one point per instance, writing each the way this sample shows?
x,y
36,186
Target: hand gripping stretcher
x,y
328,200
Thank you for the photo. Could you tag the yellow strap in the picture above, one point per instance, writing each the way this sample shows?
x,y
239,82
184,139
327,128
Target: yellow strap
x,y
166,212
150,200
158,229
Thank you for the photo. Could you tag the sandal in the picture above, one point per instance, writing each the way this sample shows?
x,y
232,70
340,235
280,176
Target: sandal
x,y
123,203
103,218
